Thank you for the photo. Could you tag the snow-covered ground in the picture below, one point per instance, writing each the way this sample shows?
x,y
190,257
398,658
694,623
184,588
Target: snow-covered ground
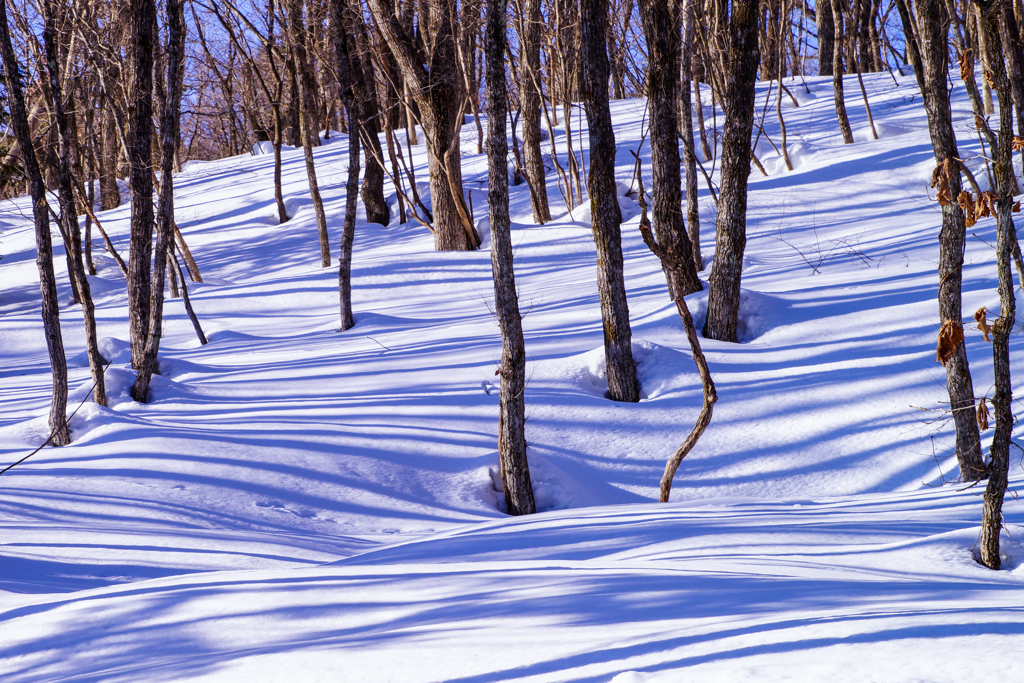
x,y
297,503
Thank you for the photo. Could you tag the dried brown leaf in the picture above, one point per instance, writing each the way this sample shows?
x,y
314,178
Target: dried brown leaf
x,y
950,335
983,325
982,415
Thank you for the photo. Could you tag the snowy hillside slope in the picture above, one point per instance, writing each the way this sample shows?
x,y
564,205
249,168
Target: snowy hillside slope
x,y
342,484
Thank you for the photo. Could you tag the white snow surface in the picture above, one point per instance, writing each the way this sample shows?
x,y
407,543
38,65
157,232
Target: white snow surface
x,y
299,503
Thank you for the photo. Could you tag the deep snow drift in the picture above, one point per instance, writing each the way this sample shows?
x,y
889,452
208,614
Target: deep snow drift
x,y
342,485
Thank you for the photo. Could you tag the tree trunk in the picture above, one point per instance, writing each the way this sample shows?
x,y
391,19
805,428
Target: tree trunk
x,y
661,21
932,32
515,469
140,133
837,74
346,66
686,131
529,26
306,89
826,36
170,120
44,249
604,207
110,195
68,215
372,190
731,225
999,454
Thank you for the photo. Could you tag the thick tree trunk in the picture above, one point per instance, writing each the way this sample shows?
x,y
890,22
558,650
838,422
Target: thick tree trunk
x,y
826,36
364,80
661,21
140,134
170,120
837,74
731,225
529,27
68,215
686,132
932,32
604,207
515,469
44,249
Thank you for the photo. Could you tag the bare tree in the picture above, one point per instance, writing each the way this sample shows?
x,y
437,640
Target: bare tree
x,y
346,68
528,27
742,57
61,435
932,31
604,207
140,132
1006,240
68,215
515,469
170,120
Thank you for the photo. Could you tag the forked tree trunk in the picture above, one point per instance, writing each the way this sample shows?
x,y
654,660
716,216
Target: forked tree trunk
x,y
436,85
68,215
932,33
731,226
170,120
604,206
140,133
44,249
515,469
661,21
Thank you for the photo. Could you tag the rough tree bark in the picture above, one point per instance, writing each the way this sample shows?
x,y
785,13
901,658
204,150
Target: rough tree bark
x,y
68,214
999,453
731,226
826,36
604,206
837,74
686,132
303,77
529,28
515,469
372,191
345,68
661,22
44,249
170,125
932,33
140,133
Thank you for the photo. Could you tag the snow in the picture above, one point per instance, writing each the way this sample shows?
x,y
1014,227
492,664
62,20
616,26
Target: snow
x,y
296,503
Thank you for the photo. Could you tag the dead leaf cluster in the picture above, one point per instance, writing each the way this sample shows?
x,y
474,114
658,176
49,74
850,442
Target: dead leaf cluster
x,y
981,207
